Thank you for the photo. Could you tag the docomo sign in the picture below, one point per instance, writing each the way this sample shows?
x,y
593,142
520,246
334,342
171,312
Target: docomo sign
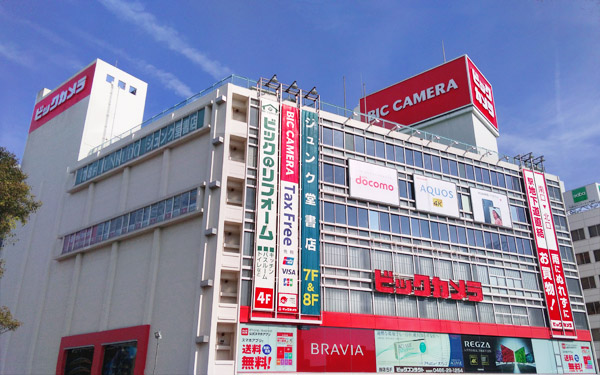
x,y
424,286
445,88
373,182
63,98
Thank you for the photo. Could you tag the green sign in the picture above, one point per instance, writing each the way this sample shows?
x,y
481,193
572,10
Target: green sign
x,y
579,195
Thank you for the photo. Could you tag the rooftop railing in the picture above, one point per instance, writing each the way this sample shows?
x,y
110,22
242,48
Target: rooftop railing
x,y
331,108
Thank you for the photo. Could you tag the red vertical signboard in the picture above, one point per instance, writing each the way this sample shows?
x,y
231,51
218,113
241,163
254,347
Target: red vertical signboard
x,y
553,277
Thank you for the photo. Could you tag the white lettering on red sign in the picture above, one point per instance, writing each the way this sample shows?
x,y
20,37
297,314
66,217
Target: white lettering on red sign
x,y
335,349
60,98
415,98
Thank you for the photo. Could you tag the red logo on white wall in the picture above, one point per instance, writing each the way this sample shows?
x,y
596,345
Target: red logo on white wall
x,y
62,98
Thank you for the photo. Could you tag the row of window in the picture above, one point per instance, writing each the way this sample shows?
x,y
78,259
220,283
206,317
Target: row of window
x,y
585,258
338,213
394,153
159,138
579,234
132,221
121,84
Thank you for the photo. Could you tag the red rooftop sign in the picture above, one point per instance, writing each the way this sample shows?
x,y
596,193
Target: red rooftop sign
x,y
62,98
448,87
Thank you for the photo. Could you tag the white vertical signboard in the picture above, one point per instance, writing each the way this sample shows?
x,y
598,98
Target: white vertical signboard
x,y
266,208
289,199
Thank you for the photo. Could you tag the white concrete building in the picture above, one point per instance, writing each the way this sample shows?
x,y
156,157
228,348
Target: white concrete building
x,y
583,205
157,251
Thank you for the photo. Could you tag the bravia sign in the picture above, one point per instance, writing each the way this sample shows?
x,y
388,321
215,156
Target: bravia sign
x,y
63,98
436,196
443,89
373,182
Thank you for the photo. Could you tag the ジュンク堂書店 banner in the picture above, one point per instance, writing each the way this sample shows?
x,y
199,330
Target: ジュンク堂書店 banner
x,y
311,263
265,254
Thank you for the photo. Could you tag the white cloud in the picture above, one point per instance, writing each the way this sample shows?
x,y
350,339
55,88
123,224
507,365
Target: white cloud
x,y
15,55
169,80
135,13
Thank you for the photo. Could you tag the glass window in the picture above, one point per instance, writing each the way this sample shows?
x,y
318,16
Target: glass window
x,y
414,224
359,144
389,152
328,173
370,147
337,300
338,138
461,170
486,175
494,178
395,223
109,78
363,218
360,302
436,163
79,360
427,161
424,224
444,232
122,85
119,358
327,136
352,216
516,183
349,138
470,172
478,176
405,225
409,157
453,167
453,235
399,154
418,159
402,188
445,166
496,241
339,175
462,235
380,149
340,213
409,190
373,220
335,255
384,221
479,238
500,177
328,212
360,258
435,232
504,242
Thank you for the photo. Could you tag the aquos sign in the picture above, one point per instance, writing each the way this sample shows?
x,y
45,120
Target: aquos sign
x,y
436,196
373,182
443,89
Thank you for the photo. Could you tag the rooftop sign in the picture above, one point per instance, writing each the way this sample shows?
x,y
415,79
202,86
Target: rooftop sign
x,y
443,89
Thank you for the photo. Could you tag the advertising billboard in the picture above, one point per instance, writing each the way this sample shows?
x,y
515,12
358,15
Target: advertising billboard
x,y
555,289
266,208
451,86
436,196
498,354
418,352
583,196
310,239
490,208
577,357
289,199
63,98
373,182
266,348
325,349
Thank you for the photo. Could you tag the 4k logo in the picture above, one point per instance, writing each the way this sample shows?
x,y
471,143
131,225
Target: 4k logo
x,y
438,202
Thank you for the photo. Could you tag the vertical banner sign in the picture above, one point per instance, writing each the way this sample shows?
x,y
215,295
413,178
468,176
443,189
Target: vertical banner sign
x,y
311,263
557,268
289,199
266,208
545,241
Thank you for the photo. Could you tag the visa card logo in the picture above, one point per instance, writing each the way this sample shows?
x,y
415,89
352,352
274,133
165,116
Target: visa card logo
x,y
288,261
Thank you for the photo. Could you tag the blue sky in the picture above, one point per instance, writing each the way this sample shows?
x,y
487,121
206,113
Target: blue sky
x,y
542,57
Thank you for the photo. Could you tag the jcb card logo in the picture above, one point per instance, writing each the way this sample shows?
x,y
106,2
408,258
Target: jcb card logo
x,y
579,195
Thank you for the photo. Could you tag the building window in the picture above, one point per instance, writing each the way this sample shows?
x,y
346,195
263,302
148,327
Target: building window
x,y
578,234
588,282
109,78
122,85
597,255
593,308
583,258
79,360
132,90
594,230
119,358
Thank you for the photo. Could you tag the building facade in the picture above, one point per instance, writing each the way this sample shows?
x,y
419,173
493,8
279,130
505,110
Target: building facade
x,y
253,228
583,208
